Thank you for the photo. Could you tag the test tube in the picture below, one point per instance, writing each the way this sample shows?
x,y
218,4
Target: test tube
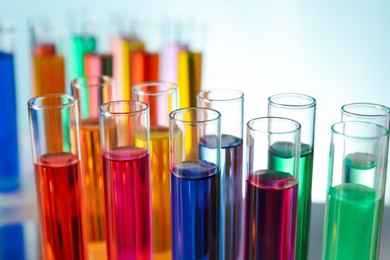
x,y
230,103
124,128
9,160
92,92
48,63
367,112
354,206
271,200
57,175
301,108
195,183
161,98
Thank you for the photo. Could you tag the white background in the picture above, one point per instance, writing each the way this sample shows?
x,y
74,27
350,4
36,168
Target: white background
x,y
335,51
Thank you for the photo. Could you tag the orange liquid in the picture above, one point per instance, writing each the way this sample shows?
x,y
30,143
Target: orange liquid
x,y
59,197
161,203
49,75
91,169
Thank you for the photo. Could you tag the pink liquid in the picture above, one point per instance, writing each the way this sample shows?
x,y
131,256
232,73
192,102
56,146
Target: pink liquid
x,y
270,216
59,196
126,174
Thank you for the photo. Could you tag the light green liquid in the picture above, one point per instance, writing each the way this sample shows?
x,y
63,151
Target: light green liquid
x,y
352,223
360,169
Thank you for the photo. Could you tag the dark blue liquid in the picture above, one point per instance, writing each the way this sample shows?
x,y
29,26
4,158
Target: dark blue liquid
x,y
195,198
12,242
232,200
9,166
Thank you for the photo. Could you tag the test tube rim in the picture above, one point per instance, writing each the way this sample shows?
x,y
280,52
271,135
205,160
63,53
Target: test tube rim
x,y
173,119
312,102
240,95
103,111
31,102
172,88
252,129
334,128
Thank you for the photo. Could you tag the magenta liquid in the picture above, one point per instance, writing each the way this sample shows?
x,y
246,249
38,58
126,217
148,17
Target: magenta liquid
x,y
270,215
126,174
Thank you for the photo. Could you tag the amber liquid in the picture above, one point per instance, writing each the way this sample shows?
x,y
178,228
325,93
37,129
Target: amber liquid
x,y
48,71
161,204
91,169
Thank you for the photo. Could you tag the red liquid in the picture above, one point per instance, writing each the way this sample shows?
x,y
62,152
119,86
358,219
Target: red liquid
x,y
270,216
58,184
126,174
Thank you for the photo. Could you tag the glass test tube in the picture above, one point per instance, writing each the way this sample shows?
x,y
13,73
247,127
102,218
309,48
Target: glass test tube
x,y
301,108
57,175
92,92
195,183
48,63
124,128
230,103
271,201
9,162
354,206
161,98
367,112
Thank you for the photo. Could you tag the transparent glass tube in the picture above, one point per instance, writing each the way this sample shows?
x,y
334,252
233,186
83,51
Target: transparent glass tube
x,y
47,54
301,108
92,92
195,183
124,129
271,200
9,152
355,193
55,139
367,112
161,98
230,103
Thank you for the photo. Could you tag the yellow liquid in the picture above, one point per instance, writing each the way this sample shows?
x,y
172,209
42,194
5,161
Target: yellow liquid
x,y
161,204
91,168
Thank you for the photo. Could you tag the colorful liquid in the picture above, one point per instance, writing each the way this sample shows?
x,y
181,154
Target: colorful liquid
x,y
58,185
304,201
161,204
12,242
48,71
195,198
9,163
232,210
91,169
270,215
126,175
97,64
79,46
352,223
144,67
360,169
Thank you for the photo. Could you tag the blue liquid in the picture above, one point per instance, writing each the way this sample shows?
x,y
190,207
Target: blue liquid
x,y
195,198
9,164
12,242
232,200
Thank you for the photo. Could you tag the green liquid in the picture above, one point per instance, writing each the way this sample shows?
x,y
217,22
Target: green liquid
x,y
304,201
360,169
79,46
282,159
352,223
